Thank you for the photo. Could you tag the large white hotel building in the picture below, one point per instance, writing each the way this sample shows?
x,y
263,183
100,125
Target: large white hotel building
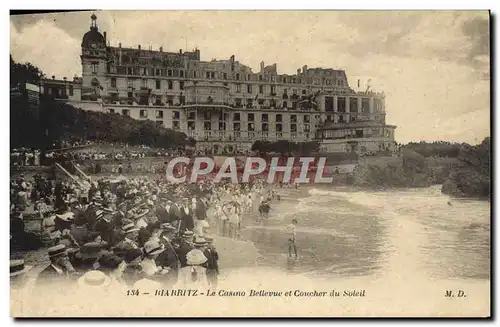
x,y
223,104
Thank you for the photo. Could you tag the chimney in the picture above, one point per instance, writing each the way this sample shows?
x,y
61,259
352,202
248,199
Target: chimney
x,y
139,47
304,69
232,59
104,34
119,45
161,49
180,51
64,78
298,71
53,76
261,66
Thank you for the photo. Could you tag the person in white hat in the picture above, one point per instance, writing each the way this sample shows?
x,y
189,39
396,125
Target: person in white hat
x,y
151,251
193,276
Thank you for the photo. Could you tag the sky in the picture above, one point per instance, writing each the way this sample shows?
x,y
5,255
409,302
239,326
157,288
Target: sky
x,y
433,65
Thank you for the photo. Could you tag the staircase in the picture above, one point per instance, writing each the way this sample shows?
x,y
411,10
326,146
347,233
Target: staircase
x,y
82,180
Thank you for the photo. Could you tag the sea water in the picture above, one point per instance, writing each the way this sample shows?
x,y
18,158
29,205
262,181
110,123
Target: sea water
x,y
343,232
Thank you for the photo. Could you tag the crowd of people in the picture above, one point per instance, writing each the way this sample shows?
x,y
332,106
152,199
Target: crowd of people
x,y
130,230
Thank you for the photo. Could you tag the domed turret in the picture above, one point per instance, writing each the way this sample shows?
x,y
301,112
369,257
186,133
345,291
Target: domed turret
x,y
93,39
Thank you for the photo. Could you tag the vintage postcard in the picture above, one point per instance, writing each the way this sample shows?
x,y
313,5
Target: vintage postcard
x,y
250,164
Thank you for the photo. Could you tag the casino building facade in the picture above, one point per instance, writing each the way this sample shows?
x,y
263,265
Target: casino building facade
x,y
223,104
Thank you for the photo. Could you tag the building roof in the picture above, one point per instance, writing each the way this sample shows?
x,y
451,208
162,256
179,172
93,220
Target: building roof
x,y
93,36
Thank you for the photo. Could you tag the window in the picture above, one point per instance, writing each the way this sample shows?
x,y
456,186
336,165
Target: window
x,y
71,90
365,105
237,103
285,104
236,116
144,71
170,100
181,73
251,127
111,111
293,128
341,104
143,114
169,73
191,125
94,68
192,115
249,77
249,88
265,127
273,89
195,74
157,72
236,126
176,124
279,128
207,126
144,83
170,85
176,115
261,101
207,115
158,101
251,117
182,99
307,119
159,123
237,76
294,80
224,75
238,88
279,118
294,91
353,104
307,128
130,95
260,77
130,71
222,126
125,112
261,89
181,85
265,117
113,82
130,82
158,84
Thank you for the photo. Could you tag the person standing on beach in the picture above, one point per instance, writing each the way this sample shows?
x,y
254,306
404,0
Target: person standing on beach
x,y
292,247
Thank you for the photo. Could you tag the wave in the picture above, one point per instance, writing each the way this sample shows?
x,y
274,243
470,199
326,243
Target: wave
x,y
305,230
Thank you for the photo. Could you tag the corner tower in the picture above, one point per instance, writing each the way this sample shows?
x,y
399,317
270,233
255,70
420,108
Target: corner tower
x,y
94,64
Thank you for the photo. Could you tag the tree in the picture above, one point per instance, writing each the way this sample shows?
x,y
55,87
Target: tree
x,y
24,73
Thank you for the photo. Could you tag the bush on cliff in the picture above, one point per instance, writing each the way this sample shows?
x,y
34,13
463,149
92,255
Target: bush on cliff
x,y
471,177
408,170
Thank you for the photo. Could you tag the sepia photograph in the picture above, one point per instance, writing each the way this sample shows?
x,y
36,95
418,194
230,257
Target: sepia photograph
x,y
237,163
